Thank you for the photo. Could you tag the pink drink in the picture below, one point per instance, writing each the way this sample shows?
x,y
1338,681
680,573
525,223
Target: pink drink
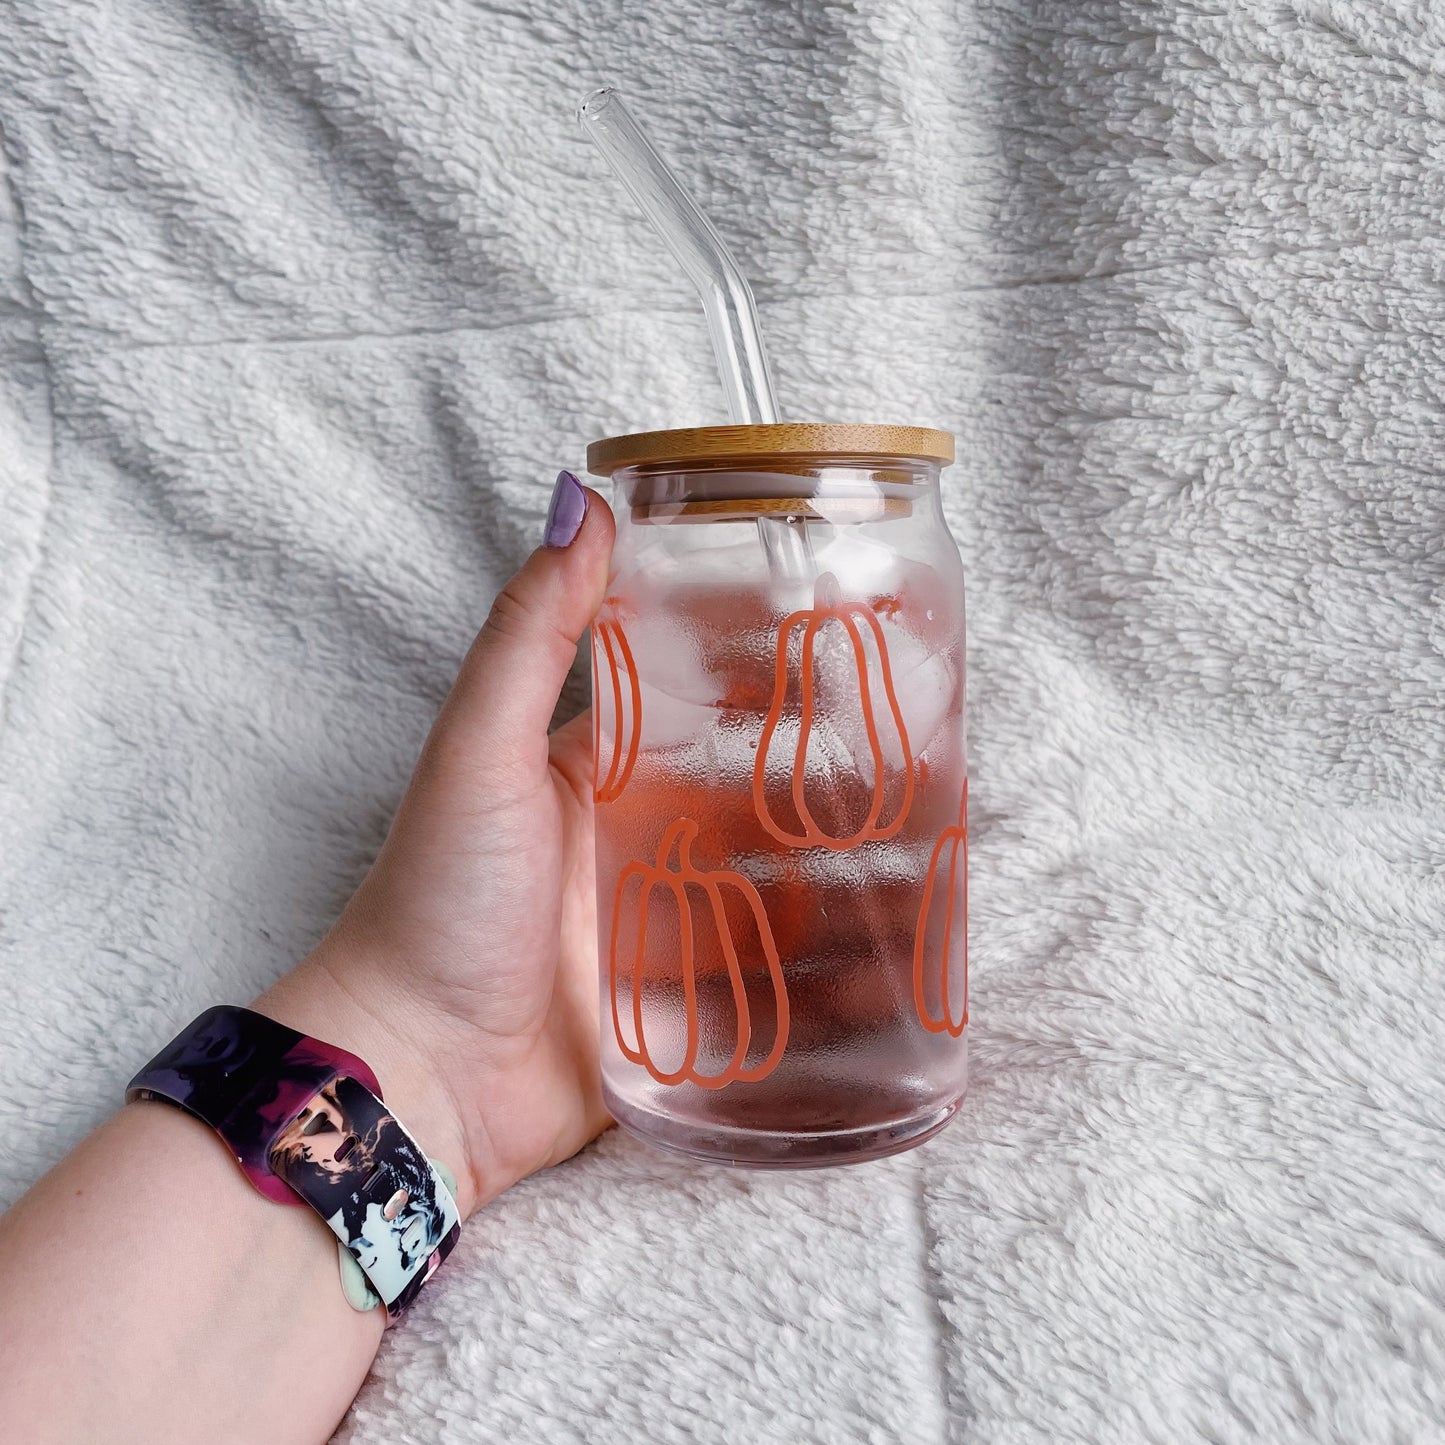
x,y
782,877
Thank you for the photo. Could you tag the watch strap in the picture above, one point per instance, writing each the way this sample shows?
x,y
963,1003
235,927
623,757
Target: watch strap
x,y
307,1124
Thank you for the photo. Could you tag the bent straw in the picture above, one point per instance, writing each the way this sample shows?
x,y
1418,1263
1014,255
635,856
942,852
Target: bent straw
x,y
727,300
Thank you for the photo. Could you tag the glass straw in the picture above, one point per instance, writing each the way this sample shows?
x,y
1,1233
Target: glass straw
x,y
727,299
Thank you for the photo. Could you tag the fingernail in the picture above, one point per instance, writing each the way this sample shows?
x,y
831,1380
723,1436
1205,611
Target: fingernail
x,y
564,516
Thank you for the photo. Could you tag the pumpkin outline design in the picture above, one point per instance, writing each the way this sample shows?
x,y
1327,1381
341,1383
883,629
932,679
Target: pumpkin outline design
x,y
610,788
680,835
812,620
957,835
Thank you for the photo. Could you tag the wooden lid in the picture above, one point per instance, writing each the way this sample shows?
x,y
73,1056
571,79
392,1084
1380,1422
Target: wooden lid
x,y
746,444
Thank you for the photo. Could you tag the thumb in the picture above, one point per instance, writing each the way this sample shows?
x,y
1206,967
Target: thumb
x,y
508,686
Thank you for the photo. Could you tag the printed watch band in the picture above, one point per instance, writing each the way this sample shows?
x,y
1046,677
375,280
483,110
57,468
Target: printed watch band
x,y
307,1124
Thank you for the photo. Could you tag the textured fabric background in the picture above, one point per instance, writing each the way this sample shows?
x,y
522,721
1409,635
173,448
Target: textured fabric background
x,y
303,303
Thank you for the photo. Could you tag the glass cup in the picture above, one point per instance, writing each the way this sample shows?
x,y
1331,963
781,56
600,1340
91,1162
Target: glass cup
x,y
781,793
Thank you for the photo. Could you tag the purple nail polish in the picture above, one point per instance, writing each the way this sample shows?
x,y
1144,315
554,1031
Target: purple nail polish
x,y
564,516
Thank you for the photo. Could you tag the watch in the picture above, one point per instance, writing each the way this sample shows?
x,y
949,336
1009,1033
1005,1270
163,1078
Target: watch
x,y
307,1125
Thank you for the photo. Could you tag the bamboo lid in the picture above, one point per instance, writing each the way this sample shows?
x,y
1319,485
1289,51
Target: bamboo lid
x,y
746,444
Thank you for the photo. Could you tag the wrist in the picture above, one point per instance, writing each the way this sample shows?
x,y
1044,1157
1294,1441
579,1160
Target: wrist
x,y
339,996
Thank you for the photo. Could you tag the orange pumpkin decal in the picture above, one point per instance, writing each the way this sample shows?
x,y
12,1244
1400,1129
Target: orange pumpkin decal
x,y
794,703
625,735
931,995
705,959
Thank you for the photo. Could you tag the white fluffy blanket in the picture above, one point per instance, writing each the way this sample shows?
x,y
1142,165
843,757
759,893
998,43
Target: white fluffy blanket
x,y
303,303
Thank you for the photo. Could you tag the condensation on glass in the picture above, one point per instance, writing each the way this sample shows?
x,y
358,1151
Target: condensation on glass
x,y
781,793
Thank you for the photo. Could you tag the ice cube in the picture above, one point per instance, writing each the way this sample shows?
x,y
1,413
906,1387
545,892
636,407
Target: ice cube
x,y
925,688
925,682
